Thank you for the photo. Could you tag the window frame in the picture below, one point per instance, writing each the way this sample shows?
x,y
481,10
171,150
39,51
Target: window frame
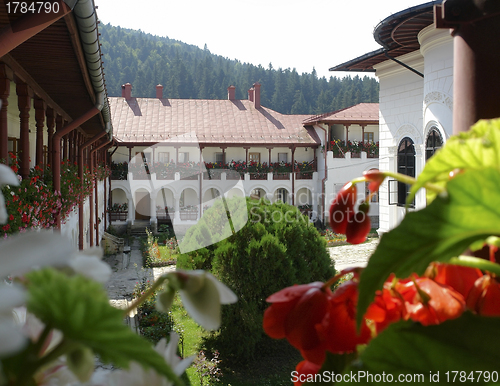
x,y
434,135
408,155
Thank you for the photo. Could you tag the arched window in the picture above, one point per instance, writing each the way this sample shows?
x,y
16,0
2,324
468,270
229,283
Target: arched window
x,y
433,143
406,165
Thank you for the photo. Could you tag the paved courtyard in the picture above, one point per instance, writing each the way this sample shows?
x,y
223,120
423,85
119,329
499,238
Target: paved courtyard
x,y
128,271
346,256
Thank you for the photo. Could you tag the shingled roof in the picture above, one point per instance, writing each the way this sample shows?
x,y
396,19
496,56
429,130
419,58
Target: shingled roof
x,y
361,114
208,122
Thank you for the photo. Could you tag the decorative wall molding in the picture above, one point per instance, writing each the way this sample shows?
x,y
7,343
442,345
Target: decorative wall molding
x,y
408,130
438,97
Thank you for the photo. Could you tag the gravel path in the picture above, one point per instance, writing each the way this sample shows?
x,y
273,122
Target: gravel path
x,y
346,256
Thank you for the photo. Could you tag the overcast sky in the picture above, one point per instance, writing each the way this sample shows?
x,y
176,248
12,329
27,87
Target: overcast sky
x,y
287,33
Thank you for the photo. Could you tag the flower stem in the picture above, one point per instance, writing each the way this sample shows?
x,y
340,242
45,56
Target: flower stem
x,y
41,340
137,302
476,262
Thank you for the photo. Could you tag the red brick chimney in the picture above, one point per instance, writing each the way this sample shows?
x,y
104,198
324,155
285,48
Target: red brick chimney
x,y
231,93
127,91
256,86
159,91
251,94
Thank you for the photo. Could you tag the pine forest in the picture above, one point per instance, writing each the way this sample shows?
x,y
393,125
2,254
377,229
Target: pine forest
x,y
188,72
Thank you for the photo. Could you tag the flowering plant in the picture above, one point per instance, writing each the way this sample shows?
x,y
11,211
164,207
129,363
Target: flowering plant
x,y
118,208
34,204
340,147
65,318
401,315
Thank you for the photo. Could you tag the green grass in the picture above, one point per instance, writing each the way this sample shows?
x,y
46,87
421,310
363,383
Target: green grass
x,y
167,255
270,369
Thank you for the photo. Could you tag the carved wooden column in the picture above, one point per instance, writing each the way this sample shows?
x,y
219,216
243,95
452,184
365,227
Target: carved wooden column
x,y
24,103
40,107
51,122
4,95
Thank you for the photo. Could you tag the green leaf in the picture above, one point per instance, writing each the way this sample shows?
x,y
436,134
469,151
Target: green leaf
x,y
80,309
469,344
442,230
476,149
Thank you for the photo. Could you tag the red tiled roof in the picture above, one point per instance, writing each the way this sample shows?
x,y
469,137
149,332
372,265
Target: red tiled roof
x,y
204,121
362,113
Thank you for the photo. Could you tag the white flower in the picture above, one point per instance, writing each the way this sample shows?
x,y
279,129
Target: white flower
x,y
7,177
23,252
10,335
137,376
88,263
201,293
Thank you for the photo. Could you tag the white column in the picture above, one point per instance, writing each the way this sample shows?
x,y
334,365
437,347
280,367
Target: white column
x,y
131,210
420,200
177,208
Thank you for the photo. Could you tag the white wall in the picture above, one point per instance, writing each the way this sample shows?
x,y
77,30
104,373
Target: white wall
x,y
343,170
411,105
437,48
400,104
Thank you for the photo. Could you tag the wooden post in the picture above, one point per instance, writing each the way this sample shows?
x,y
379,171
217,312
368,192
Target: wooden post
x,y
40,107
24,103
4,95
51,122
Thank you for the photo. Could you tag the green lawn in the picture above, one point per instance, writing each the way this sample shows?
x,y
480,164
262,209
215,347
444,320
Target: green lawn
x,y
268,370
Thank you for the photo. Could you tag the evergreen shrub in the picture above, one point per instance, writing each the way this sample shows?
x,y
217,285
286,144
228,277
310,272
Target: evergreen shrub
x,y
276,248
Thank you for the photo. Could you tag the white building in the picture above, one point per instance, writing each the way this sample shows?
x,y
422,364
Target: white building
x,y
415,71
165,144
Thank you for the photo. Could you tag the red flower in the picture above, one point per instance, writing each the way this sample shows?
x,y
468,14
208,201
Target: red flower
x,y
387,308
11,217
458,277
431,303
24,218
304,372
339,326
294,313
375,179
5,228
359,226
342,208
484,296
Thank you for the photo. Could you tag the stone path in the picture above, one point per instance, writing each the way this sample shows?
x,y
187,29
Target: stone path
x,y
127,273
346,256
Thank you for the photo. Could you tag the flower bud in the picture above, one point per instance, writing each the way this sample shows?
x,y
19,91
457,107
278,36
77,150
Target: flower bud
x,y
358,228
375,178
342,208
